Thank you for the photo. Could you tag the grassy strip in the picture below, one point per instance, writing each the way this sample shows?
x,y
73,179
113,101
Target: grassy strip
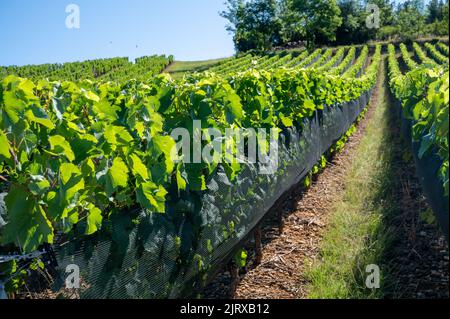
x,y
179,68
357,236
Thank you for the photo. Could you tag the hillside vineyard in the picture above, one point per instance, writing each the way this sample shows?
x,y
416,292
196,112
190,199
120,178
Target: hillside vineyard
x,y
87,164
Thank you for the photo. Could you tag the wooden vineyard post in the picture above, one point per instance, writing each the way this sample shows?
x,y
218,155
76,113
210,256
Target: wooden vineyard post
x,y
280,221
234,273
258,245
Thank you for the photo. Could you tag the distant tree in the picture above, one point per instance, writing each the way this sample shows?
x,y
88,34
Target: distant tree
x,y
354,13
352,27
319,18
386,11
418,5
293,29
254,24
445,14
234,13
262,24
410,21
385,15
435,11
437,18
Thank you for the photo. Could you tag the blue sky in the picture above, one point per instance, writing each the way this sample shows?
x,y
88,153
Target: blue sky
x,y
34,31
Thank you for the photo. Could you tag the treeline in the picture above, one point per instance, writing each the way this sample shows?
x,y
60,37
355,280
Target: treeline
x,y
264,24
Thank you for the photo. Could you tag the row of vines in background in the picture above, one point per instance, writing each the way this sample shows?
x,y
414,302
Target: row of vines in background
x,y
115,69
424,94
73,156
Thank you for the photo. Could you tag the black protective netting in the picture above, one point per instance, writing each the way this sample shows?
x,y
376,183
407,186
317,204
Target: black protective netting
x,y
170,255
427,170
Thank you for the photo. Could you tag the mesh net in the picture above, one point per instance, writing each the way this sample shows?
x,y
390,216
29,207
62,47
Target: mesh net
x,y
171,255
427,169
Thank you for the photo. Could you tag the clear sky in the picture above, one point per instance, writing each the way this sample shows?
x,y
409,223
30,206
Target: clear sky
x,y
34,31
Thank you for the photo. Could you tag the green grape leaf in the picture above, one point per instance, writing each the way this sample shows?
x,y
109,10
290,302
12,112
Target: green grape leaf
x,y
14,108
418,109
38,115
60,146
72,181
425,145
241,258
118,173
286,121
28,226
152,197
196,178
105,111
91,96
138,168
232,169
167,146
84,146
156,124
39,185
70,217
94,219
117,135
27,87
181,182
4,145
140,129
233,109
309,105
